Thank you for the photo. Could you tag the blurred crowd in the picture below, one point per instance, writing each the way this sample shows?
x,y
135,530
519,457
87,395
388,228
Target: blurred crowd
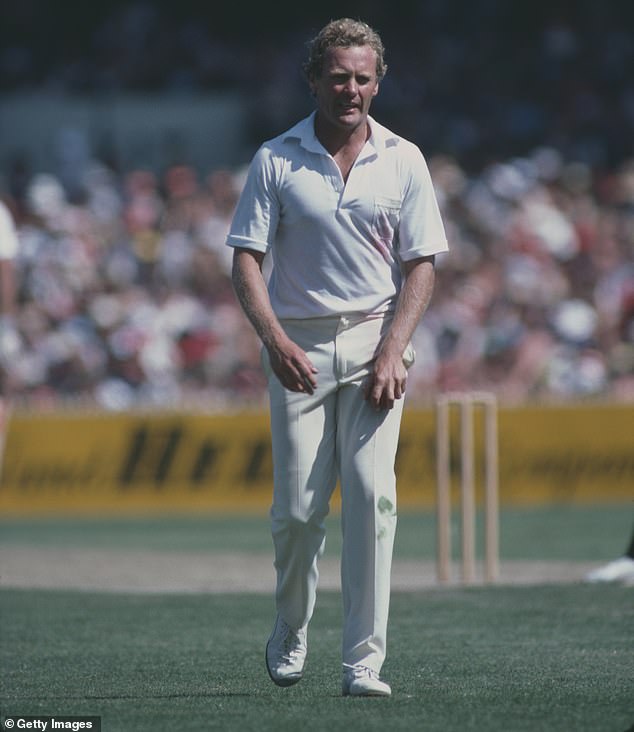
x,y
125,297
525,112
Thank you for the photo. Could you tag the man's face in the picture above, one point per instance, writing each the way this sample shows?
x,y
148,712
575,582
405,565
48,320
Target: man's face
x,y
345,89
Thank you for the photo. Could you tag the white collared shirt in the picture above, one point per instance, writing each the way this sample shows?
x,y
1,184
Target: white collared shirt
x,y
337,247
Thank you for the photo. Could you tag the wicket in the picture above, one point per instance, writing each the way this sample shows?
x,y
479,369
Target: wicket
x,y
467,403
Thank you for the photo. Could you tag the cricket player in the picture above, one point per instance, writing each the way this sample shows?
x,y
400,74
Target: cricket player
x,y
347,210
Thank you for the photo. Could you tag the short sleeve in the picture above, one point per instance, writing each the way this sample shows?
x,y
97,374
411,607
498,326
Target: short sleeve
x,y
421,230
256,216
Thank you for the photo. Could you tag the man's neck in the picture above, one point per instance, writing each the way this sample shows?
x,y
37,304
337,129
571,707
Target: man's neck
x,y
338,140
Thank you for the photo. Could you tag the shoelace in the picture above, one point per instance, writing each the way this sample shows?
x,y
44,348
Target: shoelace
x,y
364,672
291,644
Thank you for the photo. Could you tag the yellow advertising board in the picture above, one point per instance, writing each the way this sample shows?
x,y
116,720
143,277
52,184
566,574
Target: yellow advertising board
x,y
135,463
140,463
547,454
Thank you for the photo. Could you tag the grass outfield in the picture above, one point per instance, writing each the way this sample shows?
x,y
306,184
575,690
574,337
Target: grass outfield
x,y
551,658
555,658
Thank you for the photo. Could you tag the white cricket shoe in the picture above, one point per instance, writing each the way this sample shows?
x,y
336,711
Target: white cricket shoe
x,y
618,570
286,654
363,681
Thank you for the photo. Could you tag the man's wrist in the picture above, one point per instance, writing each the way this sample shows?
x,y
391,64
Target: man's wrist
x,y
391,348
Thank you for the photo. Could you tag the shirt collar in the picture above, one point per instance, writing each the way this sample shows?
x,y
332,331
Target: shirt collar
x,y
304,131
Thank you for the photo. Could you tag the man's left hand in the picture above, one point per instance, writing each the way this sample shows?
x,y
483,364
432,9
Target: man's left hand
x,y
387,381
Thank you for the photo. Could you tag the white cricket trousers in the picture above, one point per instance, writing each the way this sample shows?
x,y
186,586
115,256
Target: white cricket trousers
x,y
317,438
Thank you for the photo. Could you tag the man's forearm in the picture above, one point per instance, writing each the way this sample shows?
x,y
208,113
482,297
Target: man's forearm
x,y
289,362
412,302
251,291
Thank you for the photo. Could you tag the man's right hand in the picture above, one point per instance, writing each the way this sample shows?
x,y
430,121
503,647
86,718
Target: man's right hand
x,y
292,367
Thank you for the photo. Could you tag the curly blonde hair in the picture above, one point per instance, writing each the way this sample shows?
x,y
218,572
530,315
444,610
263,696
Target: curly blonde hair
x,y
343,33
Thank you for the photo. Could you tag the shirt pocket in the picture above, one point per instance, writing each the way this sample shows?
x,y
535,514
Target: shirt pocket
x,y
387,214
